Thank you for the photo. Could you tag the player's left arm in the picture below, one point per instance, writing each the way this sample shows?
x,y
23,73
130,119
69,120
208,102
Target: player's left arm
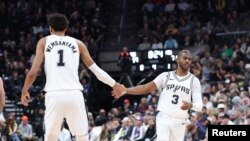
x,y
99,73
88,61
196,95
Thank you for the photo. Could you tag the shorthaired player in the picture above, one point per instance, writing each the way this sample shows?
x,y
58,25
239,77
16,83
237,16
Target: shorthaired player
x,y
63,98
181,91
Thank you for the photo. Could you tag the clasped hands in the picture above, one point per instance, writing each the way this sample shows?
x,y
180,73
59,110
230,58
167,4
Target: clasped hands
x,y
118,90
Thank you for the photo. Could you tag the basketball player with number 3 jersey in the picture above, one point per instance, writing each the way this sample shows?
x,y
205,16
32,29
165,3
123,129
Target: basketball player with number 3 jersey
x,y
63,98
180,91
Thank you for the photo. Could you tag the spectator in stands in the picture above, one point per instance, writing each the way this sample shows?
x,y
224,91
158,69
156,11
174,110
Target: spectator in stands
x,y
192,134
38,123
15,82
245,99
101,118
26,130
171,42
221,108
139,129
115,127
196,68
248,120
105,134
148,6
247,72
121,134
170,6
145,44
201,125
157,44
226,120
12,128
130,128
206,59
151,129
127,107
143,105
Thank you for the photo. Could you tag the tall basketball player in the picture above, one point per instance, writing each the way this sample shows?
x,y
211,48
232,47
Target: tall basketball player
x,y
63,98
181,91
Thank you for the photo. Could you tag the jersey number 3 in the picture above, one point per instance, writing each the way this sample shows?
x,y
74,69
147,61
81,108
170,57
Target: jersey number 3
x,y
60,63
175,99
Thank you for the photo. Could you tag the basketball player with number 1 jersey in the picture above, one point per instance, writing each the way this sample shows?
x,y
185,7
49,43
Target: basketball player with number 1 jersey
x,y
180,91
63,98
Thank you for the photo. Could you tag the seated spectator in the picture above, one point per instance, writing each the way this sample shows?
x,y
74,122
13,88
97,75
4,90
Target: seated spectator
x,y
192,133
145,45
183,5
139,129
171,42
143,105
151,129
157,44
170,6
130,128
15,84
127,107
101,118
115,127
226,120
11,125
26,132
247,122
121,134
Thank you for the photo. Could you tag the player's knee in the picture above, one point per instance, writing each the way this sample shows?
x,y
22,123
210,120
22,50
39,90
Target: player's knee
x,y
81,137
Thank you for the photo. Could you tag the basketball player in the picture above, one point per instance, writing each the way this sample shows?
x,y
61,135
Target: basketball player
x,y
63,98
181,91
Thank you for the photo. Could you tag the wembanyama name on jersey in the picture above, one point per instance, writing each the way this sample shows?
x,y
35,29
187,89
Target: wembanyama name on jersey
x,y
61,63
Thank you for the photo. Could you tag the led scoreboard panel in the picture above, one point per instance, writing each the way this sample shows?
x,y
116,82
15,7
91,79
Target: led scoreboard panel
x,y
153,59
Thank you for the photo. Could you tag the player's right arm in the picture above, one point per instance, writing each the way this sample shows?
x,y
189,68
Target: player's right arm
x,y
157,83
31,76
142,89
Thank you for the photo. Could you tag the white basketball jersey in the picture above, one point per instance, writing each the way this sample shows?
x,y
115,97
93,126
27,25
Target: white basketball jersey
x,y
61,63
175,89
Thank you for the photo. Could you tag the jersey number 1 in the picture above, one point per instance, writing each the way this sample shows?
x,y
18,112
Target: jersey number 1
x,y
60,63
